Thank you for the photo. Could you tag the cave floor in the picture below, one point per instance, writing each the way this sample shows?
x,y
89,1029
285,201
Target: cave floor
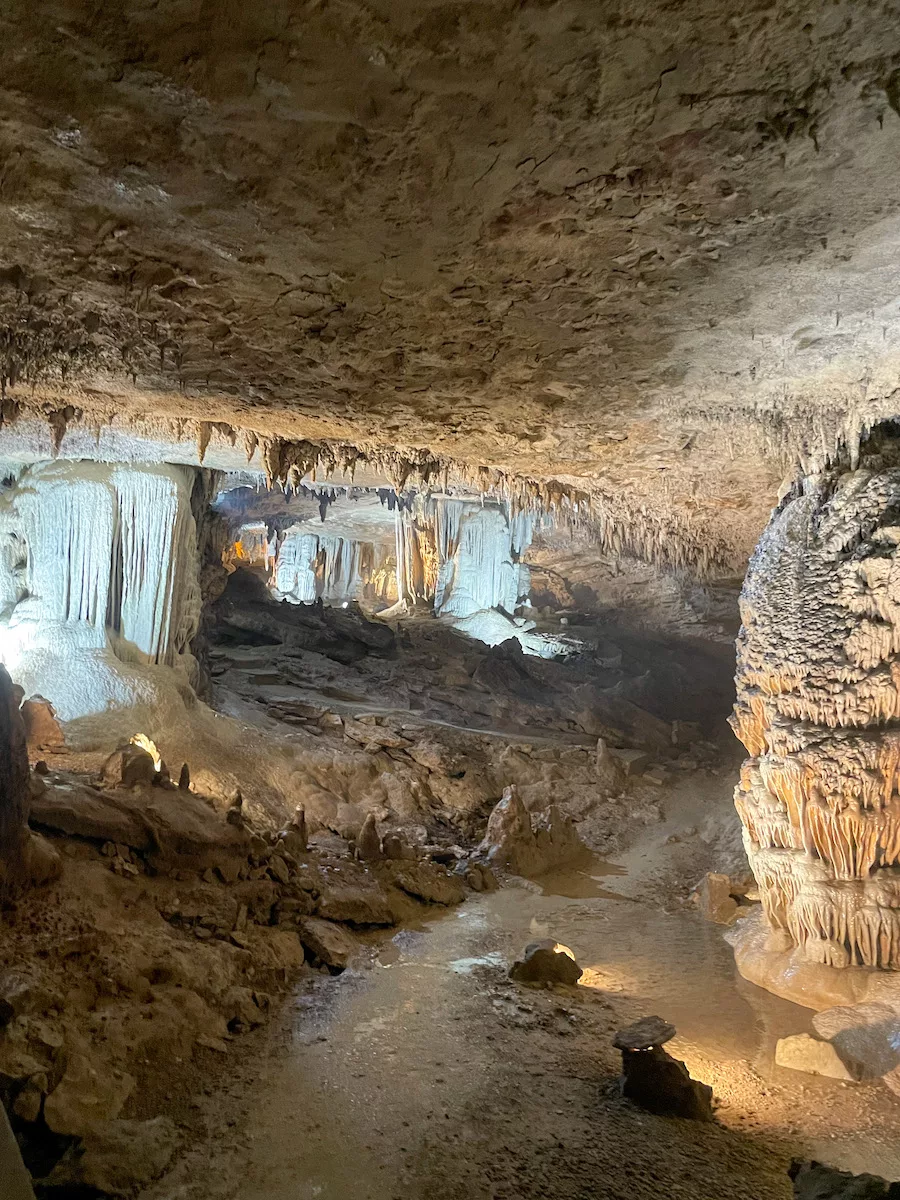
x,y
425,1073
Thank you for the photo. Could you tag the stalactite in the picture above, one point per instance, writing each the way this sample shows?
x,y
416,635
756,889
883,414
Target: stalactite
x,y
204,433
110,576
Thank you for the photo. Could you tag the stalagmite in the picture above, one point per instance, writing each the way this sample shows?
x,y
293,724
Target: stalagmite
x,y
818,701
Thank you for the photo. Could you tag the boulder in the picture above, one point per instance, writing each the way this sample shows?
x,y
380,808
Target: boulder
x,y
356,902
43,864
546,961
329,943
42,729
715,899
815,1181
632,762
865,1036
427,881
88,1095
118,1158
128,766
800,1052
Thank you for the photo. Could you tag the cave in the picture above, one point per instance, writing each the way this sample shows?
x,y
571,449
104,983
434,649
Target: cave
x,y
449,600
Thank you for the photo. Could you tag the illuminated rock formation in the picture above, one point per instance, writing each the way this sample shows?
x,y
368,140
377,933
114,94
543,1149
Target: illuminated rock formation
x,y
99,576
818,709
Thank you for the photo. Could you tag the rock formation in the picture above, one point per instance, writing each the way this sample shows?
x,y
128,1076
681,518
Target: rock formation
x,y
100,576
14,790
818,703
514,842
815,1181
655,1080
546,961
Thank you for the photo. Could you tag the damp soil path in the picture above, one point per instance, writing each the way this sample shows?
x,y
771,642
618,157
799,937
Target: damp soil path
x,y
426,1074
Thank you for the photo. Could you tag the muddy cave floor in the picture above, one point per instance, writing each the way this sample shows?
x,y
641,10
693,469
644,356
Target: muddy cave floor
x,y
425,1073
422,1071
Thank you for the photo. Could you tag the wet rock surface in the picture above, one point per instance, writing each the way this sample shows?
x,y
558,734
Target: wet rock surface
x,y
165,930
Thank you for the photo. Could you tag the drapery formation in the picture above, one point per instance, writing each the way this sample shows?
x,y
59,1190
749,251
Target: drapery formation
x,y
98,568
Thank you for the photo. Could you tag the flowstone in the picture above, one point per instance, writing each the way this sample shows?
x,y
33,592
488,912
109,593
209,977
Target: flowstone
x,y
818,699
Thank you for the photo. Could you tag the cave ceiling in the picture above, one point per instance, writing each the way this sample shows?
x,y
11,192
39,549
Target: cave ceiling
x,y
648,249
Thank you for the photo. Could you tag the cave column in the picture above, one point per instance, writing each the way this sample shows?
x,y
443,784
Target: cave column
x,y
14,789
818,706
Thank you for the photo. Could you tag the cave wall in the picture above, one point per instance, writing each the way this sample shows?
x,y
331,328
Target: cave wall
x,y
818,709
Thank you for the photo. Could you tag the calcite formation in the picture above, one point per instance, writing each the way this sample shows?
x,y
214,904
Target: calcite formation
x,y
818,709
99,579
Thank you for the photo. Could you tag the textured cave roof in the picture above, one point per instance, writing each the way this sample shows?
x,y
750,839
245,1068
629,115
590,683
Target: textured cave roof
x,y
646,248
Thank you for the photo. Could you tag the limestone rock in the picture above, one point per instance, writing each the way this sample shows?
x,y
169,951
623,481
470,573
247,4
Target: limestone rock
x,y
127,767
356,902
633,762
716,902
513,842
42,728
88,1095
327,942
368,843
428,881
15,796
609,767
118,1158
865,1036
395,847
171,828
546,961
800,1052
42,862
815,1181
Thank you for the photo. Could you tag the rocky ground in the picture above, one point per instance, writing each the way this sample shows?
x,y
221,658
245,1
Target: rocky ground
x,y
424,1072
182,913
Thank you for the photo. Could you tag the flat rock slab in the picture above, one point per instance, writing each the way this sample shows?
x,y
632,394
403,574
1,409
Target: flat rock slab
x,y
171,827
327,942
428,882
644,1034
804,1053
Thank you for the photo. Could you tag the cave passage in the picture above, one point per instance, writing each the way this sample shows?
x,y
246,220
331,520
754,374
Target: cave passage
x,y
449,600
